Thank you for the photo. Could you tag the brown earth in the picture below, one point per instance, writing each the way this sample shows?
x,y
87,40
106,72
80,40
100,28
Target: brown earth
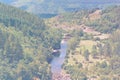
x,y
61,76
95,15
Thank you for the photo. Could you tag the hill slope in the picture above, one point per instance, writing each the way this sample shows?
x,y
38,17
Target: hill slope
x,y
58,6
25,45
106,20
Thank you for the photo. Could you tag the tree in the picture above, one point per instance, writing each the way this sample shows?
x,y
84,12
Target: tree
x,y
107,50
86,55
103,64
100,49
72,43
117,49
80,65
94,51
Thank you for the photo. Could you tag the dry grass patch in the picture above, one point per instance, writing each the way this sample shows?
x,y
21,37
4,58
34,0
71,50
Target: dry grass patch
x,y
86,44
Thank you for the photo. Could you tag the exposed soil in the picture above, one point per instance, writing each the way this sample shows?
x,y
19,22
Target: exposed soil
x,y
95,15
61,76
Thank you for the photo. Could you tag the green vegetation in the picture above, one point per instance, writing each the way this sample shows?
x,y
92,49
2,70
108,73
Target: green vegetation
x,y
101,61
91,57
108,22
25,45
74,17
59,6
105,21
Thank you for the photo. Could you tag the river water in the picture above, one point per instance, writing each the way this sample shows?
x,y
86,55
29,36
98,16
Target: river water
x,y
56,64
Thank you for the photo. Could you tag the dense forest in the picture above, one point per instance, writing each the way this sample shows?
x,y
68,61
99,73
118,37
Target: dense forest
x,y
25,45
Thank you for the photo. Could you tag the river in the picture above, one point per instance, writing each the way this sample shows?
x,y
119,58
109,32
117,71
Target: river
x,y
56,64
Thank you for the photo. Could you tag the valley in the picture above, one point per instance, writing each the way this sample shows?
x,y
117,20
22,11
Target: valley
x,y
64,40
85,59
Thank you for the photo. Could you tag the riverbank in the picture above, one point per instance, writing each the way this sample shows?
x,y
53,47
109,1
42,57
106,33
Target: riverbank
x,y
61,76
56,64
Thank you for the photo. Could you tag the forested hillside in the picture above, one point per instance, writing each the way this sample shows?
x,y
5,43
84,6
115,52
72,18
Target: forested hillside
x,y
105,20
25,45
92,37
58,6
109,20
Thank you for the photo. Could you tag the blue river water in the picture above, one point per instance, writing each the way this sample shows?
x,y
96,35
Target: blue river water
x,y
56,64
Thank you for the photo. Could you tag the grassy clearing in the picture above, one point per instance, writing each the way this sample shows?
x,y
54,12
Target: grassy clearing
x,y
86,44
76,57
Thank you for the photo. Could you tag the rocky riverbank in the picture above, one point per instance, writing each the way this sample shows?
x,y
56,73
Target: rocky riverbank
x,y
61,76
